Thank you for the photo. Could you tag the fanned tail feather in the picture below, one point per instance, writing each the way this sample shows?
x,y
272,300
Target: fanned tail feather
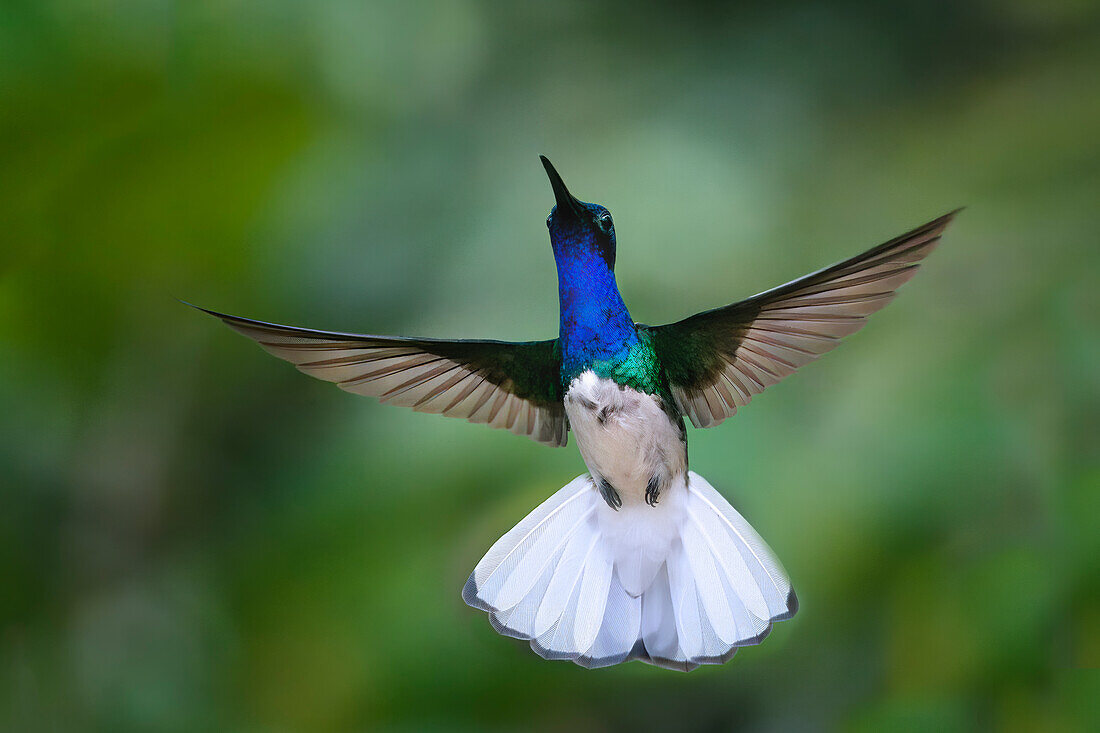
x,y
556,580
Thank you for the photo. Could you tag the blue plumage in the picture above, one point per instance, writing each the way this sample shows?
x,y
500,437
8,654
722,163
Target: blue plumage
x,y
596,327
595,323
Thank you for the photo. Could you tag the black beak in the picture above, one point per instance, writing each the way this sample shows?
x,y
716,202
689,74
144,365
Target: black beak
x,y
567,203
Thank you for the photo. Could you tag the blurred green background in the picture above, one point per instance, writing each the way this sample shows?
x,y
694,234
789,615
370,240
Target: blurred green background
x,y
193,536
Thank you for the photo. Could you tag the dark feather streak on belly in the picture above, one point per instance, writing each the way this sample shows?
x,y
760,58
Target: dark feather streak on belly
x,y
584,401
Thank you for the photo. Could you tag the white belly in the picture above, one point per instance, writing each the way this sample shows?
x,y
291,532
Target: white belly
x,y
624,436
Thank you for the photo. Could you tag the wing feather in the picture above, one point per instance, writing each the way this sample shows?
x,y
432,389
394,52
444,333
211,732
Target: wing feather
x,y
716,361
509,385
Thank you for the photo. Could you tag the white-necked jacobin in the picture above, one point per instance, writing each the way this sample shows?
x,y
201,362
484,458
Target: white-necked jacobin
x,y
639,558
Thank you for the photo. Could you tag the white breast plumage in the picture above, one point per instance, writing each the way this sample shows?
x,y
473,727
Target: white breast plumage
x,y
625,437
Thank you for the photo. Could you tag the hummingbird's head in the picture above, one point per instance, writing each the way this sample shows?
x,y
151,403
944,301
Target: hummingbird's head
x,y
577,227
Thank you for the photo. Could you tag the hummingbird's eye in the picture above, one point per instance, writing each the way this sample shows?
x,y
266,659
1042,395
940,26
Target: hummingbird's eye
x,y
605,222
549,219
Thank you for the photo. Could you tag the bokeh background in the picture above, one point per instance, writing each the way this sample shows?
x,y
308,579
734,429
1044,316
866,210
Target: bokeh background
x,y
194,536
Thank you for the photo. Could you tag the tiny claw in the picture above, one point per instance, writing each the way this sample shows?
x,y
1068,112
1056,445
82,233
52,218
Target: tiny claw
x,y
653,491
610,495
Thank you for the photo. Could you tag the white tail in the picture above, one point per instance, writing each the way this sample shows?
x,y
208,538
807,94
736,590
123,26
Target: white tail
x,y
677,585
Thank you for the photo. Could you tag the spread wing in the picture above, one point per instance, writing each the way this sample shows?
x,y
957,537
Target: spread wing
x,y
717,360
508,385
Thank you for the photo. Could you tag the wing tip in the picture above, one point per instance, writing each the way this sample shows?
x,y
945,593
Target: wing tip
x,y
233,321
942,221
207,311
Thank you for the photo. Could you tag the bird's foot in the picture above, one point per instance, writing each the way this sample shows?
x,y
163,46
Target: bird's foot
x,y
653,491
609,494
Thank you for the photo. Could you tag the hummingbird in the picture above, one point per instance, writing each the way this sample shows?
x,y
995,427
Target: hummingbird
x,y
640,557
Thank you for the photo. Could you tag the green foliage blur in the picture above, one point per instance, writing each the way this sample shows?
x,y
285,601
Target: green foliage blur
x,y
194,536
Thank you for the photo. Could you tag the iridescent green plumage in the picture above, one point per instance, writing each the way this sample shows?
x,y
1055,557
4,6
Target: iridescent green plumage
x,y
640,368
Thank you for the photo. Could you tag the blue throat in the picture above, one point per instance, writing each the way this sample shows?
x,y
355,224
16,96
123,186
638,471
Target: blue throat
x,y
595,324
